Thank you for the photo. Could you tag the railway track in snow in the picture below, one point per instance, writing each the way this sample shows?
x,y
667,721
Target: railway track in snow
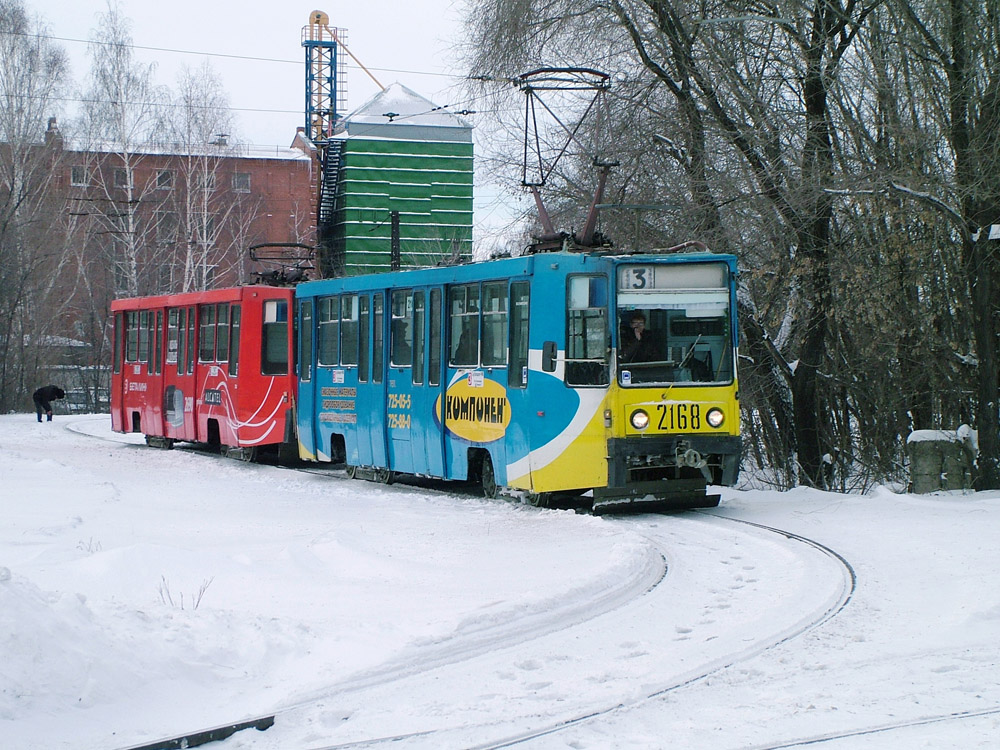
x,y
602,611
531,731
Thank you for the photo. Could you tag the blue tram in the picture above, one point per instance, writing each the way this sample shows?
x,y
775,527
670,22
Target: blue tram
x,y
523,374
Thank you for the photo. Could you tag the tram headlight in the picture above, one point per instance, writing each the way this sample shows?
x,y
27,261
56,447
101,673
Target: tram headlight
x,y
639,419
715,417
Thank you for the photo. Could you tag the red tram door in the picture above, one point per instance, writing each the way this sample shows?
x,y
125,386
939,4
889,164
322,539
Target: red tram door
x,y
178,375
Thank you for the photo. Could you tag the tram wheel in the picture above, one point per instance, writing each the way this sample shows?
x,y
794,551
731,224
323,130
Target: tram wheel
x,y
539,499
384,476
489,478
352,471
247,454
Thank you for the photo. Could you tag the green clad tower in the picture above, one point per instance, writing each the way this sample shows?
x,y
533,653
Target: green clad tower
x,y
400,153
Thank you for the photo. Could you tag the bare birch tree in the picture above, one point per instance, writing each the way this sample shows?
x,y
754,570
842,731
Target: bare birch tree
x,y
122,116
32,74
201,127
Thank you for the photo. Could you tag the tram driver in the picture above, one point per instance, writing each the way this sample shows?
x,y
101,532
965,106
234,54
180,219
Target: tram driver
x,y
638,343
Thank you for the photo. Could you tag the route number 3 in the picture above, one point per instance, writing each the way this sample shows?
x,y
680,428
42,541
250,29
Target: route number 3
x,y
637,277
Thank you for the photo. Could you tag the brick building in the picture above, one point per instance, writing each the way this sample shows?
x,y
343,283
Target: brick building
x,y
169,218
160,219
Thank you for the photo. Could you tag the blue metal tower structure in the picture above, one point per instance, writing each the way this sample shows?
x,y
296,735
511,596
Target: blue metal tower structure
x,y
326,76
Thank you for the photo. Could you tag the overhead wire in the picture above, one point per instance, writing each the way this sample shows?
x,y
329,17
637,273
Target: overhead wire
x,y
467,109
253,58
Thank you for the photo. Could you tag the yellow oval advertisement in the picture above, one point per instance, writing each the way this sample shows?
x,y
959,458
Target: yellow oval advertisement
x,y
475,409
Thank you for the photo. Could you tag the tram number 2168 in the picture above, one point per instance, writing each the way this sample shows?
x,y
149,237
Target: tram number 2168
x,y
679,416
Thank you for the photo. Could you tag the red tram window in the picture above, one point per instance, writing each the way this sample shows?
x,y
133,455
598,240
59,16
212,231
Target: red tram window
x,y
274,338
206,333
234,339
222,332
117,362
173,338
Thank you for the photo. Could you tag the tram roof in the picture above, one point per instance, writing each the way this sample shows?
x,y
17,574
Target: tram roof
x,y
498,269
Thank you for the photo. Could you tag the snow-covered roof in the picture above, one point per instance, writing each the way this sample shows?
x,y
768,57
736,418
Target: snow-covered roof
x,y
399,112
55,341
229,151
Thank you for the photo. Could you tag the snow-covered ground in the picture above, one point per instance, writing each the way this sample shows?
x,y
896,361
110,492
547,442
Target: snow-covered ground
x,y
149,594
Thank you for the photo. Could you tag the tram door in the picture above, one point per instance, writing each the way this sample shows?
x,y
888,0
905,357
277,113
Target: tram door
x,y
371,403
178,375
517,439
400,389
426,436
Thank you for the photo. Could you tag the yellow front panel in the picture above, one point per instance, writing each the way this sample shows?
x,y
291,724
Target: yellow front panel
x,y
675,410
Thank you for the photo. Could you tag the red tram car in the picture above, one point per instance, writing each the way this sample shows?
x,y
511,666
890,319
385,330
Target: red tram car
x,y
211,367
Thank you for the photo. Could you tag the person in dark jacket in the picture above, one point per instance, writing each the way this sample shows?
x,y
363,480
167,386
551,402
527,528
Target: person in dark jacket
x,y
43,399
637,343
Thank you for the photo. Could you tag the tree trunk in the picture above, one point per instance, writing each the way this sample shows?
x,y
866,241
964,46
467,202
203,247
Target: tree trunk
x,y
985,333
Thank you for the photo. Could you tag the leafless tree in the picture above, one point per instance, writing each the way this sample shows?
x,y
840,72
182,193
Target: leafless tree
x,y
122,115
756,78
32,74
201,126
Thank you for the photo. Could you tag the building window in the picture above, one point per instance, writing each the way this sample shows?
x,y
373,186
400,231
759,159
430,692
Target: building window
x,y
121,178
79,176
164,179
204,180
241,182
166,227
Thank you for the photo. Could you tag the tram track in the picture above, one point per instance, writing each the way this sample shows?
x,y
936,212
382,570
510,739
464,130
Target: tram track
x,y
467,646
895,726
847,588
449,736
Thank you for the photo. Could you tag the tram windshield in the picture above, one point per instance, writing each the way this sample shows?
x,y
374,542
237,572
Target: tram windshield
x,y
674,324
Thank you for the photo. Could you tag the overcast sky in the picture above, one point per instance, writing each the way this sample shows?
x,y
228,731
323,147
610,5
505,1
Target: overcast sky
x,y
398,40
255,47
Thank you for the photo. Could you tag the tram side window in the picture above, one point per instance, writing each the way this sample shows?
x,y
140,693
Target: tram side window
x,y
349,330
234,339
157,344
494,324
587,343
305,340
363,320
517,375
274,338
378,320
327,320
401,329
183,355
144,336
206,333
222,333
132,337
463,309
173,335
434,344
117,363
189,347
418,337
